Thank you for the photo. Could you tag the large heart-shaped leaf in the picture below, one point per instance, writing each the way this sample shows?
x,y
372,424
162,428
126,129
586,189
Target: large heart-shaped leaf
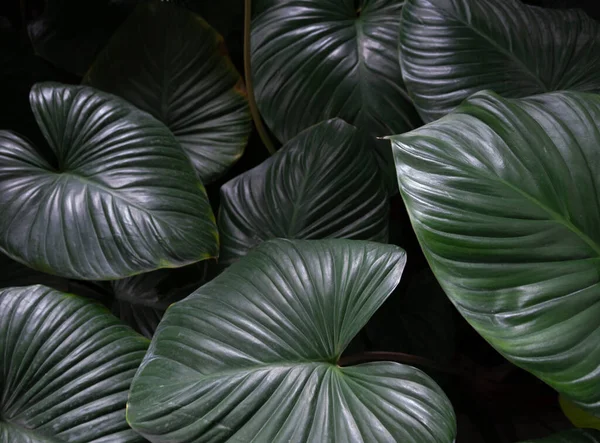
x,y
503,196
313,60
571,436
251,355
170,63
141,301
451,49
322,183
119,197
66,368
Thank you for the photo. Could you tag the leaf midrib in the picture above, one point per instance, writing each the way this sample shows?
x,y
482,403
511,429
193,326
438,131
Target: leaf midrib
x,y
502,50
117,196
555,215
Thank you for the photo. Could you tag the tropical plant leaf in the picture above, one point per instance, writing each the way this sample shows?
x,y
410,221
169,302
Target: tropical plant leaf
x,y
119,198
323,183
66,369
571,436
169,62
251,355
451,49
503,197
577,416
141,301
70,33
313,60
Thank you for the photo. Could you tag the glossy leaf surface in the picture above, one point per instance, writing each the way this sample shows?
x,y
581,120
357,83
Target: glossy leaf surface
x,y
571,436
323,183
451,49
251,355
171,63
313,60
119,197
66,368
503,196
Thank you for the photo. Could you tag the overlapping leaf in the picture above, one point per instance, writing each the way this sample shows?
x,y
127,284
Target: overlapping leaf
x,y
451,49
323,183
251,356
171,63
313,60
119,197
66,368
141,301
503,196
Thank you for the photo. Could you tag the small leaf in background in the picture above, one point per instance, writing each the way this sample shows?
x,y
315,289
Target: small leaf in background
x,y
66,368
70,33
119,197
503,197
416,319
450,49
251,355
313,60
577,416
571,436
324,183
170,62
141,301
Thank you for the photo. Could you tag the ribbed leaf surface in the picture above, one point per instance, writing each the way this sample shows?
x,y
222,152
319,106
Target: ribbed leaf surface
x,y
313,60
323,183
503,196
66,368
172,64
119,197
251,356
451,49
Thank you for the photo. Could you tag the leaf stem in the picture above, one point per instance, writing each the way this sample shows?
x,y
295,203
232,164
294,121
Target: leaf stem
x,y
262,132
398,357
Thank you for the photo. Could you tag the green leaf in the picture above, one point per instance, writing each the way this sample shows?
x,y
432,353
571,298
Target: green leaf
x,y
323,183
66,368
451,49
503,197
119,198
571,436
251,356
70,33
171,63
141,301
578,417
313,60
